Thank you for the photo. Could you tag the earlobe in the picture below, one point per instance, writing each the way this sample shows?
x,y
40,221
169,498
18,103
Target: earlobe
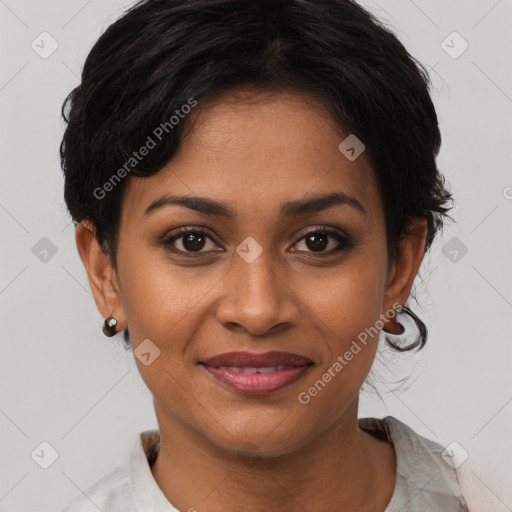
x,y
100,273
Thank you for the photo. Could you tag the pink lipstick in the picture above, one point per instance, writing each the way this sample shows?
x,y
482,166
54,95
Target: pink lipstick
x,y
255,373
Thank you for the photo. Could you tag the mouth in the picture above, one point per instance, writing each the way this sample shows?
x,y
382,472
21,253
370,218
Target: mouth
x,y
253,373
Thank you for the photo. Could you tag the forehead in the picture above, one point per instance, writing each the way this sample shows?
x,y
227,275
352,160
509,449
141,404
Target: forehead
x,y
254,151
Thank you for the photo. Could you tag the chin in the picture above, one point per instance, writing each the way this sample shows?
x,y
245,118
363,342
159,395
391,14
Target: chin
x,y
264,438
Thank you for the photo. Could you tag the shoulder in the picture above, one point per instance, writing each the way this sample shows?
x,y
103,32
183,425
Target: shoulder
x,y
129,481
111,492
486,484
426,478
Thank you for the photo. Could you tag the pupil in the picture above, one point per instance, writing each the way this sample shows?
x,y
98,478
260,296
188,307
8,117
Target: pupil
x,y
193,241
317,246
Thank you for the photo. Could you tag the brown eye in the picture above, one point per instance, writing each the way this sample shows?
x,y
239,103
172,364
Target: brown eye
x,y
188,241
193,241
318,241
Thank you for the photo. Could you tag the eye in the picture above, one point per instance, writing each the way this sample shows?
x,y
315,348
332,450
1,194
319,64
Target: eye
x,y
189,240
319,240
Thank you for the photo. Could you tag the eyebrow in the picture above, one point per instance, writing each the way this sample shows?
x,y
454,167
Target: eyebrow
x,y
208,206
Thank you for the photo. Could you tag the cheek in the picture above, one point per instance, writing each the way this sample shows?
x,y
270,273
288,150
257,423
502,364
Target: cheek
x,y
349,299
162,303
346,317
159,297
346,308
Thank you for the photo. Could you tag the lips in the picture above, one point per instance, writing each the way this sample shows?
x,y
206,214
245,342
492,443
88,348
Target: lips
x,y
253,373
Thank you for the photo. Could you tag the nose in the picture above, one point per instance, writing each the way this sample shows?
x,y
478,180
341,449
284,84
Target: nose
x,y
256,299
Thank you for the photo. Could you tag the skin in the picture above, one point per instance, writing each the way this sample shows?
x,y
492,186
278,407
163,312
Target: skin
x,y
222,450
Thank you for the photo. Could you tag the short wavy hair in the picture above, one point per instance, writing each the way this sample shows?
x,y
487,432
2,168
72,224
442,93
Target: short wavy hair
x,y
162,53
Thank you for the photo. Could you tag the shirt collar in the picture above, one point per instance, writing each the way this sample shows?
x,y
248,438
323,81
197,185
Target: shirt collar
x,y
147,496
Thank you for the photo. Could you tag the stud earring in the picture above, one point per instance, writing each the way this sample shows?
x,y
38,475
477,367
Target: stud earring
x,y
109,326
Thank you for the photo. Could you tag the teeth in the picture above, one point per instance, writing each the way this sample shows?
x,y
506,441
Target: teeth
x,y
268,369
249,369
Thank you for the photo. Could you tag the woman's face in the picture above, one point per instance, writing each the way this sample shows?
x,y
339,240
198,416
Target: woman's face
x,y
256,280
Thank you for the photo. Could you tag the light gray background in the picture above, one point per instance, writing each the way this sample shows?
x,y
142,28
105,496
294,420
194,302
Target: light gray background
x,y
63,382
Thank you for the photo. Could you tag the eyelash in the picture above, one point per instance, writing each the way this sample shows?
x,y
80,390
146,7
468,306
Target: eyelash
x,y
344,241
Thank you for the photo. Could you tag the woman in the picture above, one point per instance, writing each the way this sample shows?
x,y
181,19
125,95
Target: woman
x,y
254,187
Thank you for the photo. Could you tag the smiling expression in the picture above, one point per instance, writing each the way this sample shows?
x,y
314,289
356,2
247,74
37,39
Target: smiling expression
x,y
259,235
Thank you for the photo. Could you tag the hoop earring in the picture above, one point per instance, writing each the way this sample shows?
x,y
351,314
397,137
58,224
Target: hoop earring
x,y
109,326
409,323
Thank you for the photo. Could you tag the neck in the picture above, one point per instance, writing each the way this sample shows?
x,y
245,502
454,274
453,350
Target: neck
x,y
344,466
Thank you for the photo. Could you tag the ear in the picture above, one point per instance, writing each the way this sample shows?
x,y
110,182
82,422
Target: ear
x,y
404,270
100,273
